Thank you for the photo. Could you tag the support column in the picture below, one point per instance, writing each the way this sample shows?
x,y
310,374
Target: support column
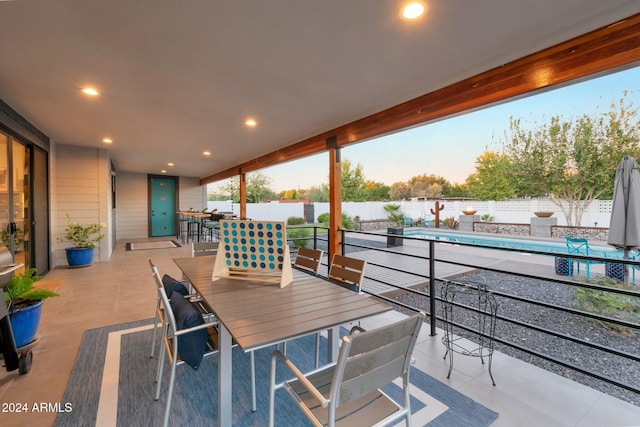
x,y
243,195
335,197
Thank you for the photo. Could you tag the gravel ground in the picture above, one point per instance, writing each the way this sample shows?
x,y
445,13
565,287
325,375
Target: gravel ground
x,y
594,360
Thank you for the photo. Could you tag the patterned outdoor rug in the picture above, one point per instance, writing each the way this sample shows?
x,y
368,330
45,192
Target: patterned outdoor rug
x,y
163,244
112,384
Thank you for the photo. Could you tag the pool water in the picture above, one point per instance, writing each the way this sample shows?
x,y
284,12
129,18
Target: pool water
x,y
511,243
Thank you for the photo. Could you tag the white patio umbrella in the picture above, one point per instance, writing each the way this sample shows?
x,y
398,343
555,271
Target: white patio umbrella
x,y
624,228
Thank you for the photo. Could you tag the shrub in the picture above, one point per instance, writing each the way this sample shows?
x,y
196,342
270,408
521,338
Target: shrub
x,y
347,221
295,220
324,218
299,233
451,222
608,304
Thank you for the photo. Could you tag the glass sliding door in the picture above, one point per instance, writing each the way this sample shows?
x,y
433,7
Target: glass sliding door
x,y
19,184
14,198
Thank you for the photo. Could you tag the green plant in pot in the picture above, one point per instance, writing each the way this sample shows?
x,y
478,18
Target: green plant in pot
x,y
84,239
25,305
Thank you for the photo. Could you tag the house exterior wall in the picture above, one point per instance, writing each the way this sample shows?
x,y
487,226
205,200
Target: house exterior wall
x,y
131,206
132,202
79,185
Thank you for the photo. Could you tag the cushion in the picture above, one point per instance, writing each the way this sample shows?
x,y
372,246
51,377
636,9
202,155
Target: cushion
x,y
191,346
171,285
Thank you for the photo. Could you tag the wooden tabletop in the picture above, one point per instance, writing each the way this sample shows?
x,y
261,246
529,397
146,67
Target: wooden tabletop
x,y
258,315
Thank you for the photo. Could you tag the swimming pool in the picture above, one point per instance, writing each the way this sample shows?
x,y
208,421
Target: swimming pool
x,y
511,243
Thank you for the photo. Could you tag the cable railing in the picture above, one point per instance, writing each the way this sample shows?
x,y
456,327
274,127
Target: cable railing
x,y
431,256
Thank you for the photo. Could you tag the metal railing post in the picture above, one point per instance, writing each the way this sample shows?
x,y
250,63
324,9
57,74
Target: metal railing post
x,y
315,237
432,287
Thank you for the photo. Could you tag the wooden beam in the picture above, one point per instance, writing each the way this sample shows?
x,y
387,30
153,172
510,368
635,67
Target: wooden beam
x,y
335,197
614,47
243,194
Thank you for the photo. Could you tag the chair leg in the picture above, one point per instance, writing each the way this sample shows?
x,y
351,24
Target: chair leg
x,y
155,332
253,382
167,410
272,391
317,361
159,374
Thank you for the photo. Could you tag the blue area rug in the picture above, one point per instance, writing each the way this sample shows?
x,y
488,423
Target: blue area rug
x,y
112,383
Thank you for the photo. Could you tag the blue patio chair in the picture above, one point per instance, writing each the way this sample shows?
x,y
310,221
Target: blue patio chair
x,y
407,221
426,219
579,246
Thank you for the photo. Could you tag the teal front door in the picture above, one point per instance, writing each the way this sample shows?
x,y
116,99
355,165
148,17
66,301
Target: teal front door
x,y
162,209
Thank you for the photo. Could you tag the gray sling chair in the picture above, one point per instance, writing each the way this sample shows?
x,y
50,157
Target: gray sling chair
x,y
307,260
348,392
347,272
188,335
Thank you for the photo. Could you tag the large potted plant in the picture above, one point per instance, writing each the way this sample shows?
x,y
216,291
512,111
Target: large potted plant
x,y
25,305
84,239
397,219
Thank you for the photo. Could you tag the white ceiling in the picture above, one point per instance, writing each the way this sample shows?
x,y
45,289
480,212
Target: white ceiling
x,y
180,77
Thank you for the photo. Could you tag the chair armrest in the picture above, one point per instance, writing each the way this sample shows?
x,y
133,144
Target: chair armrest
x,y
205,325
299,375
358,329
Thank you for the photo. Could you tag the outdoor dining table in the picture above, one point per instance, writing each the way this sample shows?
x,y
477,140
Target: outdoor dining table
x,y
258,315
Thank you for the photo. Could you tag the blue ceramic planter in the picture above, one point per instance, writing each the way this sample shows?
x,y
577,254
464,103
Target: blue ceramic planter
x,y
79,257
24,323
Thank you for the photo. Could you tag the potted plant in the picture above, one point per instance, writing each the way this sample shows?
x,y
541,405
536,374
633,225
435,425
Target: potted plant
x,y
84,239
25,305
397,219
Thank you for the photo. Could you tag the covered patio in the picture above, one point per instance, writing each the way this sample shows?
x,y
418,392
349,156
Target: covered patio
x,y
177,87
121,290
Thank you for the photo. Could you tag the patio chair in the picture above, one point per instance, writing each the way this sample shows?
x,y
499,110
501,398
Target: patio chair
x,y
344,271
308,260
178,314
348,272
170,285
407,221
348,392
187,335
204,248
579,246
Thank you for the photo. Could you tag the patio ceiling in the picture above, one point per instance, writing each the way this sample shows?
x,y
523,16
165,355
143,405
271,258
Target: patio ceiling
x,y
178,78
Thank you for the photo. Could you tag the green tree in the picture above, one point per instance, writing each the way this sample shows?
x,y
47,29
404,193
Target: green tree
x,y
457,190
428,186
491,180
258,189
572,161
318,193
399,191
376,191
353,182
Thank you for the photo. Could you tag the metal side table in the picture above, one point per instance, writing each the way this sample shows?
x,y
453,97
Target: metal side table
x,y
473,309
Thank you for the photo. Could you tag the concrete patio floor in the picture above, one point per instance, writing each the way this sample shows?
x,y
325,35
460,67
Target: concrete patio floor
x,y
121,290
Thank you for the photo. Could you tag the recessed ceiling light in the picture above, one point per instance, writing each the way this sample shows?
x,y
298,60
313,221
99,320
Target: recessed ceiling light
x,y
251,123
413,10
206,153
90,91
163,171
170,164
107,140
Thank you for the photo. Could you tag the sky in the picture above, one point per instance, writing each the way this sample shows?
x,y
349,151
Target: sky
x,y
449,147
